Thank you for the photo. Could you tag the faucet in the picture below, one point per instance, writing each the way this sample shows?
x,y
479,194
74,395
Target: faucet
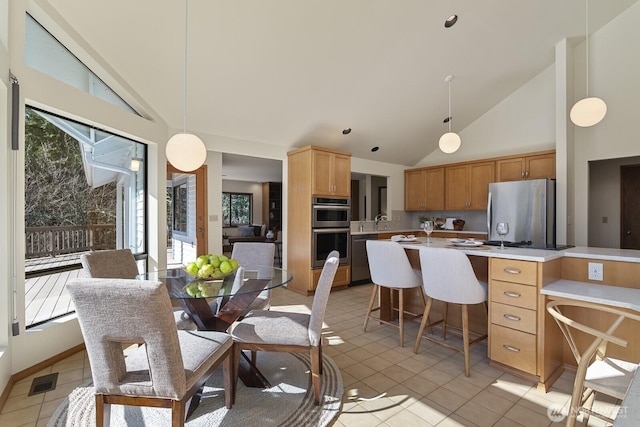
x,y
361,226
379,217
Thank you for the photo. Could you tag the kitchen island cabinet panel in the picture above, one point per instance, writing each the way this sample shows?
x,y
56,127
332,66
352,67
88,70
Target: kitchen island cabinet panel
x,y
513,348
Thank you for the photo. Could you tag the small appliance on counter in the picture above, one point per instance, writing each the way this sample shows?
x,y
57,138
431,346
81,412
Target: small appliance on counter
x,y
448,223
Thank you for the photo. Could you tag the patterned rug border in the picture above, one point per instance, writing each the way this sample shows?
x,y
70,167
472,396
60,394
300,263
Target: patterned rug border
x,y
306,413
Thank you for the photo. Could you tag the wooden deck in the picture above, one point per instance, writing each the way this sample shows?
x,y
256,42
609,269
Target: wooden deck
x,y
46,296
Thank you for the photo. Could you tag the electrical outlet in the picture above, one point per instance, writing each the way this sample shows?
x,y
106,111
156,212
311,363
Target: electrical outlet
x,y
595,271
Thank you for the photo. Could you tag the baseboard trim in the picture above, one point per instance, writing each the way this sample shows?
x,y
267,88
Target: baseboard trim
x,y
18,376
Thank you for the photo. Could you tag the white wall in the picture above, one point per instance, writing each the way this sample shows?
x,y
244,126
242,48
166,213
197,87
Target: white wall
x,y
614,70
522,122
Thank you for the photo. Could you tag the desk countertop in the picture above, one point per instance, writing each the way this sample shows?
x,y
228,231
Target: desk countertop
x,y
615,296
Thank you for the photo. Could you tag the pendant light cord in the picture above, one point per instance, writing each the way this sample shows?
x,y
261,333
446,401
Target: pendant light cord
x,y
587,41
450,118
184,71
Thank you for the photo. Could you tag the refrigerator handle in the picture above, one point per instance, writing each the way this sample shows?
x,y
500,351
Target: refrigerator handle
x,y
489,217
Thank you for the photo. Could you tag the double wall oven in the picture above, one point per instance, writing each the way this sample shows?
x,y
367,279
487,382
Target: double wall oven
x,y
330,224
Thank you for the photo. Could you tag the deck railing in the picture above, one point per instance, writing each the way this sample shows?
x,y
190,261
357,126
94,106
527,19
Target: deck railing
x,y
52,241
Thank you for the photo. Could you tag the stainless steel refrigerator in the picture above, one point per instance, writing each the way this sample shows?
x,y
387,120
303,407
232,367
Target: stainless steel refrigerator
x,y
528,207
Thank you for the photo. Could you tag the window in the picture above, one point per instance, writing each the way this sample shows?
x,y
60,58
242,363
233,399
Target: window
x,y
82,193
237,209
47,55
180,208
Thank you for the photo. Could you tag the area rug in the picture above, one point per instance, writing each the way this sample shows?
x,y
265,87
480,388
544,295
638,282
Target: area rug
x,y
289,402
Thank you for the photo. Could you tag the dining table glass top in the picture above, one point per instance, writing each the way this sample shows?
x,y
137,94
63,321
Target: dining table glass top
x,y
182,285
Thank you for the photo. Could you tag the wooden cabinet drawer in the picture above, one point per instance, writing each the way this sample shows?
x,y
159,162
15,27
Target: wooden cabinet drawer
x,y
513,348
513,317
342,277
514,294
509,270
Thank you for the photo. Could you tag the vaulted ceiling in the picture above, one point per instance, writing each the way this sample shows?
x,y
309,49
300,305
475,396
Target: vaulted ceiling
x,y
293,72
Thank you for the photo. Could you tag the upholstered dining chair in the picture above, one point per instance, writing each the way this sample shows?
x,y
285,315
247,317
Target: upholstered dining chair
x,y
121,264
390,268
167,370
268,330
596,373
256,254
448,276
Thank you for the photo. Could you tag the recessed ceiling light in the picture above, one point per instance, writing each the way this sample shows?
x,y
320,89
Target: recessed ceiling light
x,y
374,149
346,131
447,119
451,21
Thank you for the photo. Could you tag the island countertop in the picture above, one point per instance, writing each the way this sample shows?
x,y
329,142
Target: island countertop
x,y
539,255
416,231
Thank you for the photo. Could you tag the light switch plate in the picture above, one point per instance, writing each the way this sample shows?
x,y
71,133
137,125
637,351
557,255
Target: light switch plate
x,y
596,271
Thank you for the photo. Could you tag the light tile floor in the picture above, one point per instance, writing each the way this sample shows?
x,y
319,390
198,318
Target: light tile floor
x,y
385,385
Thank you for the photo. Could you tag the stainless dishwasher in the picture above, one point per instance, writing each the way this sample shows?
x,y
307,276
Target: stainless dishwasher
x,y
359,263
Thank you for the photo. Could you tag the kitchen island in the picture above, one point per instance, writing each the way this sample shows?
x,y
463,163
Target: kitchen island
x,y
523,338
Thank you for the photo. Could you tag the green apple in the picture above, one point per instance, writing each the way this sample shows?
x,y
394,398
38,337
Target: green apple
x,y
223,258
192,289
234,263
214,260
206,271
225,267
192,268
202,260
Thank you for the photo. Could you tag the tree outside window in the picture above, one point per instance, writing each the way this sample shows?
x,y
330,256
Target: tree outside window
x,y
237,209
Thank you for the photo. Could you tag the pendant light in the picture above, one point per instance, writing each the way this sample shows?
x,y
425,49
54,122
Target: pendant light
x,y
185,151
588,111
450,141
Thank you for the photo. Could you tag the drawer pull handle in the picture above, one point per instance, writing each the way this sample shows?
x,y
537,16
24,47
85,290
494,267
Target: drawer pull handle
x,y
512,294
512,271
511,317
511,348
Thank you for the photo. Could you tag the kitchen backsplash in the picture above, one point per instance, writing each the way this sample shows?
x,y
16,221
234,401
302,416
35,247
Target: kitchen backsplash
x,y
402,220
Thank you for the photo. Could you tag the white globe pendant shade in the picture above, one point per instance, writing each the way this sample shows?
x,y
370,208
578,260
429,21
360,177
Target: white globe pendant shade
x,y
449,142
186,152
588,112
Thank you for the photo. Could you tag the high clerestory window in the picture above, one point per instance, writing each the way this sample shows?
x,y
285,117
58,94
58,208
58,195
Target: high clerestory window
x,y
47,55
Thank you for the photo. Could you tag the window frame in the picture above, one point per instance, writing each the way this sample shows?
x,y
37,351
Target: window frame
x,y
230,194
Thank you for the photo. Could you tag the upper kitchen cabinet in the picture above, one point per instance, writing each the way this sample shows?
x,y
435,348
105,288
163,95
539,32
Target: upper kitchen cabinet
x,y
424,189
331,172
467,185
530,166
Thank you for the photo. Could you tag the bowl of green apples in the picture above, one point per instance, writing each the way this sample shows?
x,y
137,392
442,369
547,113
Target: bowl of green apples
x,y
211,267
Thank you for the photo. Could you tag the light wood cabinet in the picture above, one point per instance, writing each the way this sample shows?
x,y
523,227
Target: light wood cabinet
x,y
312,171
534,166
424,189
513,305
331,173
467,185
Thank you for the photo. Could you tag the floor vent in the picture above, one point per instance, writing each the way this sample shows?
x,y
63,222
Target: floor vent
x,y
43,384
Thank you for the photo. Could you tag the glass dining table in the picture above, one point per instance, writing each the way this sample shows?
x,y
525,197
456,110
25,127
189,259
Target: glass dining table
x,y
215,304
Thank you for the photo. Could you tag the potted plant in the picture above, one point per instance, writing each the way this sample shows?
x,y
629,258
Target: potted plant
x,y
422,219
